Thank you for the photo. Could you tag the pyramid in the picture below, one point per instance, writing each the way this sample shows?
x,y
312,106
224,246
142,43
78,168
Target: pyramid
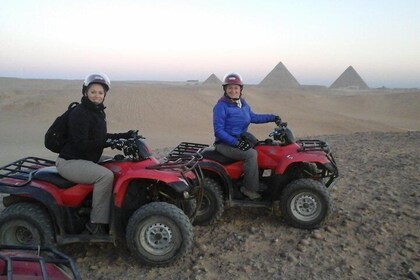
x,y
212,80
279,77
349,79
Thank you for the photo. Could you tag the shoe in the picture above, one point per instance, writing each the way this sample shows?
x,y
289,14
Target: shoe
x,y
250,193
96,229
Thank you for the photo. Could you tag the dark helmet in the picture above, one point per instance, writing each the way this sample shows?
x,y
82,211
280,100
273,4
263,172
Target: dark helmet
x,y
232,79
96,79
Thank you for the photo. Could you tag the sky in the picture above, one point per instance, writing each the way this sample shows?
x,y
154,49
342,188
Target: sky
x,y
182,40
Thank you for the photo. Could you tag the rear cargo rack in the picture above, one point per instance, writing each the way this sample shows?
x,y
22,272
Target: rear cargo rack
x,y
187,148
313,145
44,256
19,173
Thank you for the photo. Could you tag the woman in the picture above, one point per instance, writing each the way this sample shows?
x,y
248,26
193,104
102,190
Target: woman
x,y
78,160
231,118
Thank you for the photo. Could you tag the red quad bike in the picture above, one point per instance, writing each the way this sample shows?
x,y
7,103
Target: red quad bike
x,y
26,262
294,175
42,208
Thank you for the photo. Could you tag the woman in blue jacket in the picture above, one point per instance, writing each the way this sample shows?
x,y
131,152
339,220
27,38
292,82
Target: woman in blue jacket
x,y
231,118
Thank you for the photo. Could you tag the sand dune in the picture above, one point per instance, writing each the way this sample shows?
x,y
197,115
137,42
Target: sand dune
x,y
167,114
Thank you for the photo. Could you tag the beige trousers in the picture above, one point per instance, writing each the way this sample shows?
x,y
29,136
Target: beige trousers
x,y
87,172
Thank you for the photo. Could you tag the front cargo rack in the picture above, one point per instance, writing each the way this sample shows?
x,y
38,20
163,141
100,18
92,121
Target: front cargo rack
x,y
313,145
19,173
184,158
322,146
182,163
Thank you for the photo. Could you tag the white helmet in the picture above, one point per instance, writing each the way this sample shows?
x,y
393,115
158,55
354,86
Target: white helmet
x,y
101,79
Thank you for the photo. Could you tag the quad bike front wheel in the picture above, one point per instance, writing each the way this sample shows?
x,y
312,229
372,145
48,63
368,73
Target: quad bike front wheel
x,y
26,224
159,233
306,203
212,204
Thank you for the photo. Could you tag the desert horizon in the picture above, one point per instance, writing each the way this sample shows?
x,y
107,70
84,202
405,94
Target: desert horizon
x,y
167,114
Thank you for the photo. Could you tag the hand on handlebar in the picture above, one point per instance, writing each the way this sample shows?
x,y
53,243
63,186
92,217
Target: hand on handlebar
x,y
129,134
243,145
277,120
115,143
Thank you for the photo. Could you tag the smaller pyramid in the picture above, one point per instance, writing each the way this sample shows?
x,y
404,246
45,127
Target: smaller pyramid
x,y
279,77
212,80
349,79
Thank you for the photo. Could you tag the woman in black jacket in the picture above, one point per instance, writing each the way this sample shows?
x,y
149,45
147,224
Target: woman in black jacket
x,y
78,160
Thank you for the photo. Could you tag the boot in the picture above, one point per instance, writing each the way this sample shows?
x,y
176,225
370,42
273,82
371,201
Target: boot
x,y
96,229
253,195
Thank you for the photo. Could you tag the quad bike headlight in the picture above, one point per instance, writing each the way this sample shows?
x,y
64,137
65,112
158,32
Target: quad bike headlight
x,y
186,194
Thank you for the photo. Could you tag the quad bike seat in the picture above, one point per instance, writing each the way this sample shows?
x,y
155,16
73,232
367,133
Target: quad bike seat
x,y
50,175
212,154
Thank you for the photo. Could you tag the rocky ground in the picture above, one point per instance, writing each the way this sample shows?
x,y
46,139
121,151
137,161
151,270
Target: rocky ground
x,y
373,233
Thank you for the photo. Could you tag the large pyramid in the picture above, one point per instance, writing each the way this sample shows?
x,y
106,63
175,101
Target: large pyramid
x,y
349,79
212,80
279,77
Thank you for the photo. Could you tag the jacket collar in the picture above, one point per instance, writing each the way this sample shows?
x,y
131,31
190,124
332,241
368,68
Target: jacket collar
x,y
230,102
92,106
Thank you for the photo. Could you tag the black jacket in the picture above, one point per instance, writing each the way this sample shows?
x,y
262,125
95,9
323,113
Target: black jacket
x,y
87,132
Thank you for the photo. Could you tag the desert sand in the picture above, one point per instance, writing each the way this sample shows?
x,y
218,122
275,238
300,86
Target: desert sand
x,y
375,136
169,113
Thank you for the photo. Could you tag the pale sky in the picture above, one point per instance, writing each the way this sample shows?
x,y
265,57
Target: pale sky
x,y
182,40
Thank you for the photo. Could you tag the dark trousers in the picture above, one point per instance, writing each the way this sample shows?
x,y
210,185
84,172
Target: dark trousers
x,y
250,162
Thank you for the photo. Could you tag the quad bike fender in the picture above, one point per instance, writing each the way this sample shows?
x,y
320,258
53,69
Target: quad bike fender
x,y
319,158
172,179
34,194
216,171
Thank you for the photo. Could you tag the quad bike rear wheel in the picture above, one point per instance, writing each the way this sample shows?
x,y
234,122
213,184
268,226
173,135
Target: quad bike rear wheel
x,y
212,205
306,203
159,233
26,224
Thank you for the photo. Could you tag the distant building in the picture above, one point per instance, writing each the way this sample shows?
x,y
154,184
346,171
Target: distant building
x,y
192,82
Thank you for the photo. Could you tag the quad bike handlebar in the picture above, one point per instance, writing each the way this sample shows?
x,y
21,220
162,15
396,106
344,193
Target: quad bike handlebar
x,y
282,133
133,147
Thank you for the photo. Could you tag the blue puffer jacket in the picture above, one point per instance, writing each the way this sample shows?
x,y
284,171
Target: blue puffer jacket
x,y
230,121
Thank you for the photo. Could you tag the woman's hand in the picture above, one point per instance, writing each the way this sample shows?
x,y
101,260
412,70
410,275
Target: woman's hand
x,y
243,145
